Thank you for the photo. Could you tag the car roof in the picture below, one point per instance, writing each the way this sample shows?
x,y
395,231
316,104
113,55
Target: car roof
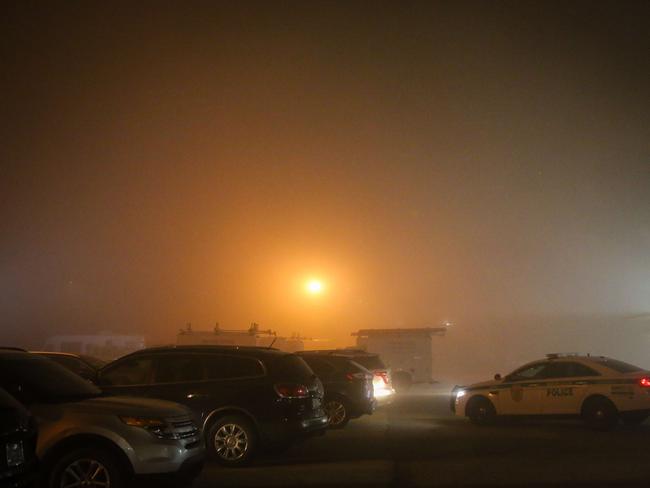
x,y
598,363
244,350
340,352
56,353
14,352
335,357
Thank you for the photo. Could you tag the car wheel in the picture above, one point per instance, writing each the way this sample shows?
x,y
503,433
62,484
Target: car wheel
x,y
232,441
481,411
89,468
599,413
633,418
337,412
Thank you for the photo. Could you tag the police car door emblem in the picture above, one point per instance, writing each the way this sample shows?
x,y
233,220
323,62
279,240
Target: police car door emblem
x,y
517,393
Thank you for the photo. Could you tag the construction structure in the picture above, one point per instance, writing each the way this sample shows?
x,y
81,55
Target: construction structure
x,y
253,336
409,353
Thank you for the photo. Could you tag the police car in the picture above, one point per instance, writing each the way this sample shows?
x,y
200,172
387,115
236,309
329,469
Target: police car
x,y
599,389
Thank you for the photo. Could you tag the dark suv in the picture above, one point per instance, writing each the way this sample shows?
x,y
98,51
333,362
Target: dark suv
x,y
17,444
382,381
348,387
245,397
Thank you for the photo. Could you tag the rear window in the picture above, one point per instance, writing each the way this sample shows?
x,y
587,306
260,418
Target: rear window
x,y
320,366
291,367
370,362
618,366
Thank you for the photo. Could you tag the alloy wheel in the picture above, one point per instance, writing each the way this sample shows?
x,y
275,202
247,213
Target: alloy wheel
x,y
335,412
231,442
85,473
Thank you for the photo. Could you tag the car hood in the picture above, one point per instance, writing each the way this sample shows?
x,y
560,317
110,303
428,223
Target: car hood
x,y
124,405
482,384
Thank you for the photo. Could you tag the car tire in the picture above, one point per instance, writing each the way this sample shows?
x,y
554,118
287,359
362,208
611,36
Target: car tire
x,y
89,467
599,413
232,441
633,418
481,411
338,412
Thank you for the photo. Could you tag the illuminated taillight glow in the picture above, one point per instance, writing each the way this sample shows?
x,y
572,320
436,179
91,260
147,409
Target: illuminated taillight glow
x,y
288,390
645,382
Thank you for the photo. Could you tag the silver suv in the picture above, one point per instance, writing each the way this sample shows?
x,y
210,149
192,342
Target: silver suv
x,y
89,440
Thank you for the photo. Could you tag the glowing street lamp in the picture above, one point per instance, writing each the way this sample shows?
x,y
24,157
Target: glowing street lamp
x,y
314,287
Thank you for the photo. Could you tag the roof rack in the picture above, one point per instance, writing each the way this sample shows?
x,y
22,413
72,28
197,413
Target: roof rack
x,y
338,352
555,355
208,346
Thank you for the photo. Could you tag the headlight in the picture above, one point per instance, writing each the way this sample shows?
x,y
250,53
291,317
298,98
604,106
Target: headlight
x,y
460,393
157,427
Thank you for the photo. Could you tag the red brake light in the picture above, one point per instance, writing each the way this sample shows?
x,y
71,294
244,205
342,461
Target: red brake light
x,y
645,382
286,390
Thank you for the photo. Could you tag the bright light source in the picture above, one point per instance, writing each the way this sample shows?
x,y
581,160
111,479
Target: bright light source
x,y
315,287
383,392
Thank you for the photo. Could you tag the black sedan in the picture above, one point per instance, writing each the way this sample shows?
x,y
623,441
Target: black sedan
x,y
348,387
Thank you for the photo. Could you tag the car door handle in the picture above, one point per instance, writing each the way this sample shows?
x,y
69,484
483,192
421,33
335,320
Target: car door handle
x,y
580,383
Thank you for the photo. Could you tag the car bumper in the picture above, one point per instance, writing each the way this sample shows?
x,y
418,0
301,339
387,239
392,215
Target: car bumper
x,y
169,457
18,478
384,397
363,407
293,429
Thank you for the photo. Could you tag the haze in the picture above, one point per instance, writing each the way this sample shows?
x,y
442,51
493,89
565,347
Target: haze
x,y
485,163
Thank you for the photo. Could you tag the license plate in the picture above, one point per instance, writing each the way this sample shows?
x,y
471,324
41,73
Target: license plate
x,y
15,453
315,403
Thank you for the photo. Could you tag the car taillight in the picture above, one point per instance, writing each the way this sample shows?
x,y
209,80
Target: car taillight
x,y
645,382
289,390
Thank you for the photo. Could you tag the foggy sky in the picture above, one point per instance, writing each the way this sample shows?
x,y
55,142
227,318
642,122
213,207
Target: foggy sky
x,y
197,161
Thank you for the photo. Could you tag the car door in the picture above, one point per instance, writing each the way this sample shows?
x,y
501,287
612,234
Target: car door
x,y
236,381
521,391
180,378
566,387
130,376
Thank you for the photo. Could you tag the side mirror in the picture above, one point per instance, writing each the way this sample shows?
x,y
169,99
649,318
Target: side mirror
x,y
497,377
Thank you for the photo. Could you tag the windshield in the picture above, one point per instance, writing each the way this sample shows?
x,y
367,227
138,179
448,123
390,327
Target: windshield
x,y
31,378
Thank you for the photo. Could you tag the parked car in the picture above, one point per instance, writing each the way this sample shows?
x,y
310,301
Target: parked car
x,y
247,398
87,439
81,364
599,389
18,466
382,379
348,387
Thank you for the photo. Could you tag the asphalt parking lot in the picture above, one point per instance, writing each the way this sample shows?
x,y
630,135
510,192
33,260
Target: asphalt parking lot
x,y
418,442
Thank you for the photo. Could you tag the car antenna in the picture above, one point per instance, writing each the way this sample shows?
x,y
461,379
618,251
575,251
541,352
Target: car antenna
x,y
273,342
